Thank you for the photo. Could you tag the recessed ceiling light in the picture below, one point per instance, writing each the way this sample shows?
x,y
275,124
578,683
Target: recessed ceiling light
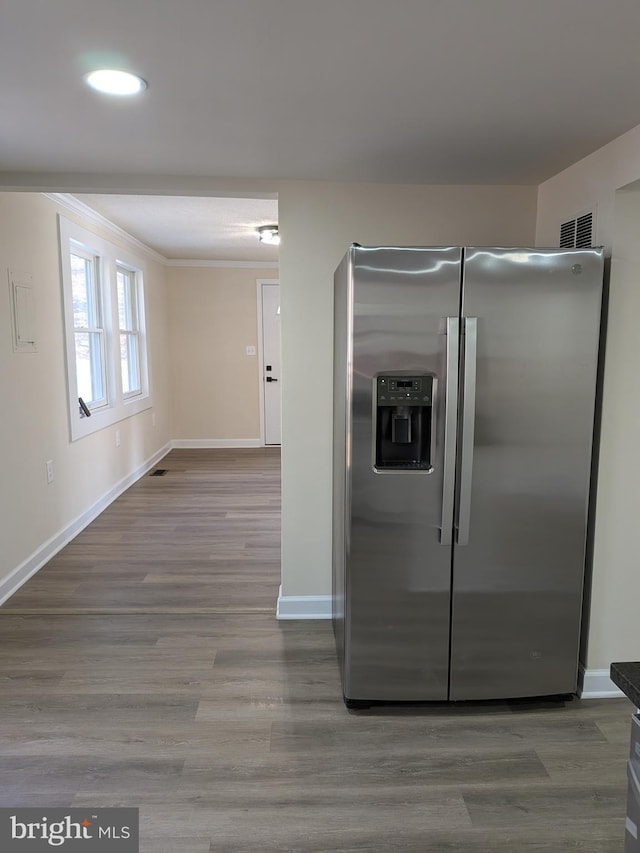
x,y
113,82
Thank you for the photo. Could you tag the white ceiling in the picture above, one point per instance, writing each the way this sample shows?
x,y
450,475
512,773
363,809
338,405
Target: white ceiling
x,y
222,229
420,91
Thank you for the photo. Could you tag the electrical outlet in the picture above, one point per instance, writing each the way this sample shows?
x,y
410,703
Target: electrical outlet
x,y
117,438
251,350
49,464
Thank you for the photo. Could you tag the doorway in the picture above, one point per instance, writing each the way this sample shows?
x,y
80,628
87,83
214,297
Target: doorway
x,y
269,361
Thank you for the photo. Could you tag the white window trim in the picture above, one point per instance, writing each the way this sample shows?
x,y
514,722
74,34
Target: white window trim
x,y
118,407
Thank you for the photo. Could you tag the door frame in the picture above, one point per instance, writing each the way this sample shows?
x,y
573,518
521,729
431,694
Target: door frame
x,y
259,283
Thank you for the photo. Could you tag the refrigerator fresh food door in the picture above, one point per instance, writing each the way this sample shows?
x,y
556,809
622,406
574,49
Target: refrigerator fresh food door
x,y
398,561
530,347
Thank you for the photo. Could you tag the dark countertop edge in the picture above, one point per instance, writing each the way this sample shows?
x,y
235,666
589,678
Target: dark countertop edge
x,y
626,676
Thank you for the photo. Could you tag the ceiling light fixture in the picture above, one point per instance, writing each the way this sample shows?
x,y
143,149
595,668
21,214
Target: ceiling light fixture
x,y
269,234
113,82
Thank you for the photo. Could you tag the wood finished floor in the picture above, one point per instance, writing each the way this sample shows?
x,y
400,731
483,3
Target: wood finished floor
x,y
143,666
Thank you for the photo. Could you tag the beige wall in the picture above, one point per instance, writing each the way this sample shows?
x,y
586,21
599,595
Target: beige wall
x,y
613,629
594,183
214,384
34,419
318,221
590,184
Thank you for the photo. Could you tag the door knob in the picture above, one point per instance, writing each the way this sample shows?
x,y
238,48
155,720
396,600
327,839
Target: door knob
x,y
271,379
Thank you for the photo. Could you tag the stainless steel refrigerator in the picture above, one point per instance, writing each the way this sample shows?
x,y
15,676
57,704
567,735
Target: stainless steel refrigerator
x,y
465,386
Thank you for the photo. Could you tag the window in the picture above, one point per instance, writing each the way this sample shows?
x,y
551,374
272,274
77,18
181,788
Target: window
x,y
88,329
105,330
127,284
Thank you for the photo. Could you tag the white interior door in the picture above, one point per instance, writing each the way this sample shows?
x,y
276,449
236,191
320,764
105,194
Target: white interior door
x,y
271,362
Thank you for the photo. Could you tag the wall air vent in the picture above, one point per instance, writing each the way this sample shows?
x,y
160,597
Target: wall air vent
x,y
159,472
577,233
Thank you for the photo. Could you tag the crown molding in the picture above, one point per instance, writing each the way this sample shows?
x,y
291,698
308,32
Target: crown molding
x,y
74,205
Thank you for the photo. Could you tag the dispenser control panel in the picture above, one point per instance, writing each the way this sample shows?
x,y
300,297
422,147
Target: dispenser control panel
x,y
405,390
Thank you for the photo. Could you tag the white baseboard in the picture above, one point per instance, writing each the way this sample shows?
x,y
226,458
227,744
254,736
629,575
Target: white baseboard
x,y
212,443
596,684
303,606
50,548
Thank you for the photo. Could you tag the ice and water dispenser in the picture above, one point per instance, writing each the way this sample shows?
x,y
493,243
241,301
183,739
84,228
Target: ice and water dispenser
x,y
404,422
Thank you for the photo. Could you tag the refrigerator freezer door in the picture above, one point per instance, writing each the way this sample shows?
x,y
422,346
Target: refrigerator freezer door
x,y
517,583
398,574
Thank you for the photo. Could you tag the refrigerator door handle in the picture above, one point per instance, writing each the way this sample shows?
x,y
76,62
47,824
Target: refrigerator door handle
x,y
468,427
450,429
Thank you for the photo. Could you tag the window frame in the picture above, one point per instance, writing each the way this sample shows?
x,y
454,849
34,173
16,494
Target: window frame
x,y
76,239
